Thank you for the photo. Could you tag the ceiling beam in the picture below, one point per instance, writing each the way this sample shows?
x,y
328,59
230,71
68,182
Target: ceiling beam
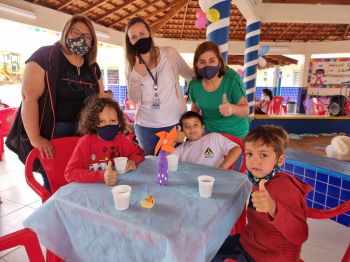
x,y
183,22
159,10
284,31
305,13
346,32
329,34
126,3
301,31
247,8
62,5
138,10
159,24
89,8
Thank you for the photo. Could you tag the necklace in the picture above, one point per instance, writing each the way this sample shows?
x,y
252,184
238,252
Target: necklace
x,y
78,70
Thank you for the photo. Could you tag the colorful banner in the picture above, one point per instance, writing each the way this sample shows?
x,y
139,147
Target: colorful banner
x,y
329,72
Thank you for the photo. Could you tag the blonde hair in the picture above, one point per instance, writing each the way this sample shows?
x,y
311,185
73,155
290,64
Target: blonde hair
x,y
92,54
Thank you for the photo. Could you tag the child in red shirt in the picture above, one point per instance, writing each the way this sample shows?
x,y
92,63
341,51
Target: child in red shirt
x,y
102,124
277,209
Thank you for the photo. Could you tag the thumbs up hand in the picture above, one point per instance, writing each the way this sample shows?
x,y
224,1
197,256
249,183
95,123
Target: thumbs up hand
x,y
180,135
225,108
140,67
262,201
110,176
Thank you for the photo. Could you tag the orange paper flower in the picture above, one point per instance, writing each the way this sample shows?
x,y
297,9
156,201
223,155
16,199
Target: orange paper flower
x,y
166,141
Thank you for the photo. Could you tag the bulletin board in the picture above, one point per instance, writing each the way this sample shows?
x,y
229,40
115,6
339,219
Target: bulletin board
x,y
329,73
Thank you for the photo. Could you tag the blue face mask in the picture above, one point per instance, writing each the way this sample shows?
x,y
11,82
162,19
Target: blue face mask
x,y
108,132
208,72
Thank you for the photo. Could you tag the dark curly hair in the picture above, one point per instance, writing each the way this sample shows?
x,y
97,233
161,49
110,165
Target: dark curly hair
x,y
89,120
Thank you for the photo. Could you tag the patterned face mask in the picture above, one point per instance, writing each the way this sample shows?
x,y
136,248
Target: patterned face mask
x,y
256,180
78,45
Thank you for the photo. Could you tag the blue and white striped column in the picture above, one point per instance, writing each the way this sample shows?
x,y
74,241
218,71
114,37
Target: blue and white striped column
x,y
252,40
218,32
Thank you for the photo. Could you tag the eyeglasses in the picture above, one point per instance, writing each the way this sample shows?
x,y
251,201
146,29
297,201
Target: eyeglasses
x,y
76,33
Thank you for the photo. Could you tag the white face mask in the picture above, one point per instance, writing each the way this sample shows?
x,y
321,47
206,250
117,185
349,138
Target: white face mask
x,y
265,97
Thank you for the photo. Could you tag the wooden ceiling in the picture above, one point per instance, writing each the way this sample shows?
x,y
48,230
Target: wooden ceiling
x,y
271,60
176,19
323,2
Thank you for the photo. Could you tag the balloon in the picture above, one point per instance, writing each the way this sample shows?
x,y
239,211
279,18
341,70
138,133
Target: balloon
x,y
262,61
199,13
213,15
240,72
264,50
204,5
201,22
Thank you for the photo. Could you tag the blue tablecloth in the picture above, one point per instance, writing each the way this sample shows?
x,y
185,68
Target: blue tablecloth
x,y
80,223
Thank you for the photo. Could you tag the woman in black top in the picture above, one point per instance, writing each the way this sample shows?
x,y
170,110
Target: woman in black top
x,y
57,80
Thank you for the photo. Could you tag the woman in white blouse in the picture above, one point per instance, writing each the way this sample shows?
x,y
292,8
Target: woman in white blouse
x,y
153,83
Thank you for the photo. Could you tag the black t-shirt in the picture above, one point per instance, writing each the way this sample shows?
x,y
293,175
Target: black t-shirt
x,y
73,87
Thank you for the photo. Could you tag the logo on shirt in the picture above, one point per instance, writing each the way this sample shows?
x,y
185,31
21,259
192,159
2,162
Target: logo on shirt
x,y
208,153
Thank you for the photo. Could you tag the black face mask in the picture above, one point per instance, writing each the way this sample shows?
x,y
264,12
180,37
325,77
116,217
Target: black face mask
x,y
109,132
143,45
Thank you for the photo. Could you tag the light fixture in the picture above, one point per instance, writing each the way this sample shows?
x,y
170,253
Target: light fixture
x,y
102,34
17,11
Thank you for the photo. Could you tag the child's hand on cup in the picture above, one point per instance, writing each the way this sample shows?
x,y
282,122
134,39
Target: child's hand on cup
x,y
130,165
262,201
110,176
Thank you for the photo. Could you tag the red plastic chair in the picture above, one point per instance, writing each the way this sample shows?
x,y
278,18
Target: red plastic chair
x,y
347,107
241,223
324,214
7,116
54,168
275,106
328,213
129,104
24,237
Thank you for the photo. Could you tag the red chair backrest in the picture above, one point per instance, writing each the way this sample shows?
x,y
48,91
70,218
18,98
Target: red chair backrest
x,y
24,237
7,116
347,107
239,142
275,106
129,104
54,168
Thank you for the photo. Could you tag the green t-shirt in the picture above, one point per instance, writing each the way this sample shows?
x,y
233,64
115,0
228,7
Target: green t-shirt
x,y
208,103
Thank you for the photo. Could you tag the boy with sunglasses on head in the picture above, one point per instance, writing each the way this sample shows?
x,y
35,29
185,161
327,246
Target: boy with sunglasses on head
x,y
277,209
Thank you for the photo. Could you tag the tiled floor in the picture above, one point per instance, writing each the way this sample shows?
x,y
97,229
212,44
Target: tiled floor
x,y
327,240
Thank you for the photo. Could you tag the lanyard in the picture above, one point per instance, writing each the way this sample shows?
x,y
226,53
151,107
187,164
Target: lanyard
x,y
155,85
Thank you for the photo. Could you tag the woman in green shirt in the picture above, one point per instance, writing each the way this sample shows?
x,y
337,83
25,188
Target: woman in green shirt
x,y
218,92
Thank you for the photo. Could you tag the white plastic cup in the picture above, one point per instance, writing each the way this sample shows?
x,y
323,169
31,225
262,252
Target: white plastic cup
x,y
121,196
205,184
173,162
120,164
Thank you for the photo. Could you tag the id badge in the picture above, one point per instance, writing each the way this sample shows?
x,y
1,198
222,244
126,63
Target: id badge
x,y
155,102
